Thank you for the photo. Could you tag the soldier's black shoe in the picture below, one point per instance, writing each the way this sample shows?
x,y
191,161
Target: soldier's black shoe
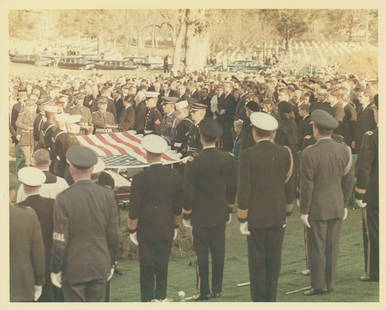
x,y
313,292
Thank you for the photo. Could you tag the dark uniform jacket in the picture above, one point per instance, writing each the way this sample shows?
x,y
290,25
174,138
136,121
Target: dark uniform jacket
x,y
181,136
16,109
326,179
194,144
246,137
127,119
85,238
264,169
38,122
100,120
44,209
367,174
227,103
153,120
27,257
156,197
166,127
304,128
140,114
210,183
349,123
287,134
364,123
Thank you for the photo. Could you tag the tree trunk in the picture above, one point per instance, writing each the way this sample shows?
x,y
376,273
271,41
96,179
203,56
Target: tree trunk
x,y
178,43
197,43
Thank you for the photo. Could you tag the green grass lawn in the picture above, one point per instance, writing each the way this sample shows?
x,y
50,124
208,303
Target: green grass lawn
x,y
182,276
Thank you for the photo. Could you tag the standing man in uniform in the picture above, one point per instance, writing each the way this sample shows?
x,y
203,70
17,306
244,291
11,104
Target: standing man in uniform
x,y
103,120
154,216
180,130
197,114
79,109
169,118
153,116
326,184
210,190
265,198
85,238
367,195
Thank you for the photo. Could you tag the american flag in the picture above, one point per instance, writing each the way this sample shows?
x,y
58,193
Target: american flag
x,y
122,149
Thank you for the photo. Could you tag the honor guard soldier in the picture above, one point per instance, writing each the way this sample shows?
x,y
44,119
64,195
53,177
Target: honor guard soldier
x,y
153,116
154,215
326,184
180,131
49,121
169,118
79,109
26,249
264,168
197,114
210,189
367,195
127,116
53,185
102,120
39,120
32,180
85,238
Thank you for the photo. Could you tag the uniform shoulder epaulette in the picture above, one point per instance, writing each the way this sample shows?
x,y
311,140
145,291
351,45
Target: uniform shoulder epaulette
x,y
369,133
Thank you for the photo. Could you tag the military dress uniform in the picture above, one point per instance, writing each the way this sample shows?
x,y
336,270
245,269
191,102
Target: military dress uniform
x,y
210,187
85,239
326,184
367,189
167,126
181,136
153,120
140,115
24,124
156,201
101,120
265,188
127,119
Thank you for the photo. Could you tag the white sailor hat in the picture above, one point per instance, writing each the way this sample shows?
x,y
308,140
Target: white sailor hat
x,y
263,121
151,94
31,176
99,166
182,105
51,109
154,144
74,118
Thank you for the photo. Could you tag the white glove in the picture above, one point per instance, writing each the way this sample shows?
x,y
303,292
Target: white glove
x,y
111,274
304,219
244,229
361,204
56,279
133,238
187,223
175,233
345,214
230,219
38,292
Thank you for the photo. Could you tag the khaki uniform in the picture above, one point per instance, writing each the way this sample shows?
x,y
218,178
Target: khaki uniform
x,y
100,120
24,124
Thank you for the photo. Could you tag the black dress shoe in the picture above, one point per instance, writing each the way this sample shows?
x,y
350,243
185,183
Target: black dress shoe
x,y
215,295
313,292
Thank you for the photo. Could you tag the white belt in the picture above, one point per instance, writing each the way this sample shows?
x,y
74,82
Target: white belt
x,y
99,130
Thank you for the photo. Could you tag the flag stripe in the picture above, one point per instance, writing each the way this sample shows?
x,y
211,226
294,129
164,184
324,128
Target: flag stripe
x,y
128,150
104,140
89,141
98,142
135,149
83,142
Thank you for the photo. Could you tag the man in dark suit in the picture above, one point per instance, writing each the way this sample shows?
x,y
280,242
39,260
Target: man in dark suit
x,y
265,197
26,249
85,239
326,184
166,91
32,180
210,189
367,195
154,216
126,116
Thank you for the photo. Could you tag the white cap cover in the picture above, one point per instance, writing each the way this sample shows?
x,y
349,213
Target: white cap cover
x,y
154,144
264,121
31,176
99,166
182,105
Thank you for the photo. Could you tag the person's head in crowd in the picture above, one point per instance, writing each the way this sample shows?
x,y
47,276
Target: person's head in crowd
x,y
285,110
296,96
283,94
41,159
81,162
228,88
79,99
323,124
219,90
132,90
190,86
364,96
157,86
322,95
165,86
304,109
105,92
13,185
237,93
181,90
36,92
197,112
34,98
182,110
41,103
252,106
264,126
168,105
210,131
268,106
154,146
204,92
151,99
102,104
30,106
173,85
32,179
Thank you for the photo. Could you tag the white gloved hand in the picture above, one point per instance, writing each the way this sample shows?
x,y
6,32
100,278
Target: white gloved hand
x,y
37,292
361,204
304,219
187,223
133,238
230,219
345,214
56,279
244,229
111,273
175,233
